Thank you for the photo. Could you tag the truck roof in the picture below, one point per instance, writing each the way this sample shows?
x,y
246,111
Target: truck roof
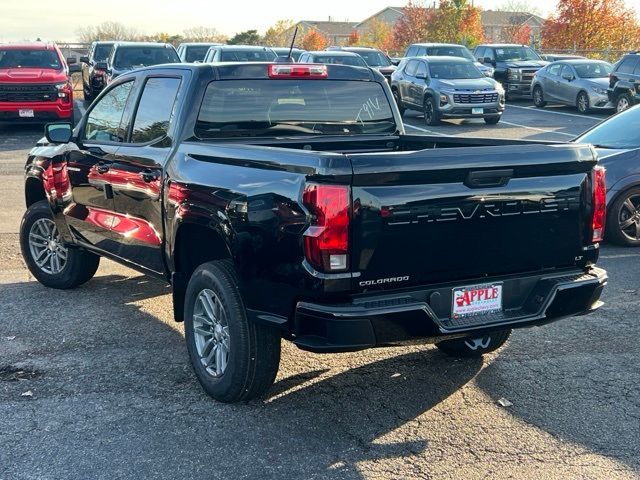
x,y
442,59
259,70
143,44
28,46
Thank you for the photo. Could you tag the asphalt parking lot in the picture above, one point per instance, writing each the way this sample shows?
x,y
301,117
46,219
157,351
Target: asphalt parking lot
x,y
96,383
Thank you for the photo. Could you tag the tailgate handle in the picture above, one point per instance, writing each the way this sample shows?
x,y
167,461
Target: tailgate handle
x,y
488,178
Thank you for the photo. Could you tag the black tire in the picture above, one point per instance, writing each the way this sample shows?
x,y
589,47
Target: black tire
x,y
396,97
80,265
475,347
538,97
253,354
617,213
492,120
431,116
582,103
623,102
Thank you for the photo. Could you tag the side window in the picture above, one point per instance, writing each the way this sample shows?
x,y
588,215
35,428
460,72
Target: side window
x,y
411,68
555,69
422,52
479,53
412,52
155,109
628,64
489,53
422,70
104,121
637,70
567,70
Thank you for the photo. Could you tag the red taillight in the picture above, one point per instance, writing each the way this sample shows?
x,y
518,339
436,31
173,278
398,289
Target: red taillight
x,y
288,70
326,241
599,204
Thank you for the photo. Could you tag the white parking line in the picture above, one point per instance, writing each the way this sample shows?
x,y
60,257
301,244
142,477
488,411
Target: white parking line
x,y
557,113
427,131
537,129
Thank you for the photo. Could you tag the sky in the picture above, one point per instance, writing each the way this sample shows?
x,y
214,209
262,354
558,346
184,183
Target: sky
x,y
59,20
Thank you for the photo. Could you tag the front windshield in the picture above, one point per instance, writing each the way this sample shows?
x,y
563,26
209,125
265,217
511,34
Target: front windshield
x,y
355,60
102,52
452,51
505,54
132,57
375,59
196,53
14,58
593,70
620,131
248,56
453,71
263,108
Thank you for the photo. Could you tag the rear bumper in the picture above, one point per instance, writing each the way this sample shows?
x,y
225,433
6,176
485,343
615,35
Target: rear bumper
x,y
10,111
423,315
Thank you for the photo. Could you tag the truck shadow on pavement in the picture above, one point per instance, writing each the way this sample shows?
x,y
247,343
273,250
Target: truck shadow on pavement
x,y
113,392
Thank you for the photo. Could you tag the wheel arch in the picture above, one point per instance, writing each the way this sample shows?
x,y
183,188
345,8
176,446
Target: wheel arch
x,y
194,245
33,191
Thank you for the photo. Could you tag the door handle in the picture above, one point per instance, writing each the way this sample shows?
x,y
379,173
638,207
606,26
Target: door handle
x,y
102,168
149,176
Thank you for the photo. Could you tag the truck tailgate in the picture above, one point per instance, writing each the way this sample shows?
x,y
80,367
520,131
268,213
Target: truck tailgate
x,y
452,214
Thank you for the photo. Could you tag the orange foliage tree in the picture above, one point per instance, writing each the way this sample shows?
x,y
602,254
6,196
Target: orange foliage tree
x,y
520,34
456,21
354,38
592,25
314,40
378,35
412,27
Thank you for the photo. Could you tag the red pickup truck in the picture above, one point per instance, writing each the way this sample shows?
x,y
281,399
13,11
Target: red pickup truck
x,y
34,83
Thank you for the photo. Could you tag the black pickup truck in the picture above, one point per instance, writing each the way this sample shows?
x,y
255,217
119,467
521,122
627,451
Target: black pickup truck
x,y
286,201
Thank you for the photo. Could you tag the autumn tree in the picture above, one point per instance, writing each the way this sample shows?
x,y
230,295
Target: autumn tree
x,y
203,34
354,38
514,33
592,25
412,27
378,35
248,37
456,21
279,34
314,40
106,31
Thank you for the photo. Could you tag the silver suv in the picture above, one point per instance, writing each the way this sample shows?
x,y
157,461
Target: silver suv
x,y
446,87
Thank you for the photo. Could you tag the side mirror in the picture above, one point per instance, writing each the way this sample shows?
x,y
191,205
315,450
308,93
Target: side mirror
x,y
58,132
422,77
101,65
395,61
84,59
568,77
74,68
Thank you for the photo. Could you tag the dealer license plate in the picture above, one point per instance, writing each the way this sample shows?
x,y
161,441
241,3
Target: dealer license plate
x,y
476,300
25,113
477,111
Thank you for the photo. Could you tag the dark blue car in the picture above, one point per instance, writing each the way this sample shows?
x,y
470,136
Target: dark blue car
x,y
617,140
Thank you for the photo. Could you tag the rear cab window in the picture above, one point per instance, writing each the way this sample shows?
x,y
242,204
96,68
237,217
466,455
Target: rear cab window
x,y
268,108
155,109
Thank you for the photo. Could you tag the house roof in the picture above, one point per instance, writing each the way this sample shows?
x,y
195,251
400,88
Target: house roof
x,y
330,28
488,17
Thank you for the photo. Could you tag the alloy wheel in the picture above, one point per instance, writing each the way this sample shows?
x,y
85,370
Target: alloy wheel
x,y
537,96
46,247
211,332
583,103
629,218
